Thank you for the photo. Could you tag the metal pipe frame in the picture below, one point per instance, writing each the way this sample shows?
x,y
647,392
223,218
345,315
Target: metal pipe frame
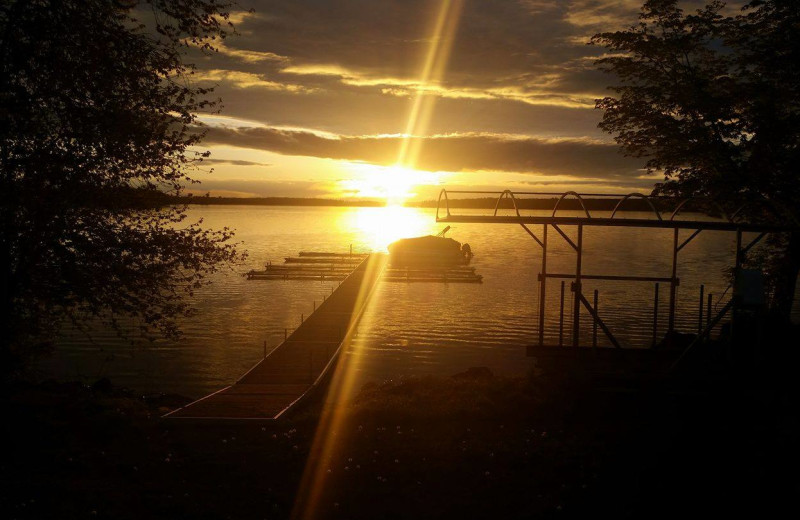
x,y
609,277
576,287
616,222
543,283
599,322
658,222
728,224
638,195
673,286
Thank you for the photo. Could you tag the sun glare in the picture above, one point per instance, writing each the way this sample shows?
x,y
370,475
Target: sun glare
x,y
395,184
379,227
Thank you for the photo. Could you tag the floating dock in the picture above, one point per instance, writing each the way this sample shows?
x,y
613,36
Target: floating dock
x,y
302,364
311,265
321,266
461,274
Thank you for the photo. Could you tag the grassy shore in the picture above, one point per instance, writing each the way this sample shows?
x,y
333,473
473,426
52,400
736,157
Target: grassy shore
x,y
468,446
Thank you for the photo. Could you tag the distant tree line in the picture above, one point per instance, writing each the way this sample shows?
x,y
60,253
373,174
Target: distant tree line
x,y
663,204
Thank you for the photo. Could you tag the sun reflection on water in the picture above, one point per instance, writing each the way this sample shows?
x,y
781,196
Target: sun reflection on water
x,y
379,227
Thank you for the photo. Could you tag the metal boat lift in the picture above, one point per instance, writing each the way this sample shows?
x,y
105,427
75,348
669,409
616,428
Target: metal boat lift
x,y
658,219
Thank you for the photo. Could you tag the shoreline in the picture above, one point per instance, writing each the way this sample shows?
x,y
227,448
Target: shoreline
x,y
543,203
472,445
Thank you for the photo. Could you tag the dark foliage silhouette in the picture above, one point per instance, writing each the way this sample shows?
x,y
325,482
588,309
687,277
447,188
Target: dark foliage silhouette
x,y
97,110
712,102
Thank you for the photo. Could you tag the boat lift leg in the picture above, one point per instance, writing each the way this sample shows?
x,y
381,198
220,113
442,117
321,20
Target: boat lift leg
x,y
673,286
576,309
542,291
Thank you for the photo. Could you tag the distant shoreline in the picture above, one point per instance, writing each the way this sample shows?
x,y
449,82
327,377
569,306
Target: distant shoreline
x,y
597,204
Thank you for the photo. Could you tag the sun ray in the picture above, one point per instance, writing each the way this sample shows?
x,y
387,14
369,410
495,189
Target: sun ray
x,y
432,72
394,184
342,387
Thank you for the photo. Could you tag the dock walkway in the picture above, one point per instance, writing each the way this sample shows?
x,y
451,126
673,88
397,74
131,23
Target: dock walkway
x,y
300,365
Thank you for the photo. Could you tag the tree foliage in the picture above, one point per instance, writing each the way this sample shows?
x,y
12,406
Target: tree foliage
x,y
711,101
97,108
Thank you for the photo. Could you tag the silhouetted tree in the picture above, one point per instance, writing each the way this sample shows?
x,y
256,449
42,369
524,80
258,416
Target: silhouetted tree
x,y
711,101
96,107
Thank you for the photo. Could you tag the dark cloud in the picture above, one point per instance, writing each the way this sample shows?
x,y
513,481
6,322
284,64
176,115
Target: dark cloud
x,y
234,162
358,111
354,68
494,39
346,61
371,51
460,152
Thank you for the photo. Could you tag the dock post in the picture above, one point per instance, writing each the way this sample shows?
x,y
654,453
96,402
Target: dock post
x,y
594,324
301,318
673,284
655,317
708,316
285,334
561,318
740,258
576,309
315,306
542,286
700,315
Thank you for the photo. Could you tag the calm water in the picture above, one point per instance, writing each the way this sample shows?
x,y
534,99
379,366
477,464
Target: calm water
x,y
407,328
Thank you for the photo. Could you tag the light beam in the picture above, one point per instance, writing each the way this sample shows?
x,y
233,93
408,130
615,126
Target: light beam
x,y
342,388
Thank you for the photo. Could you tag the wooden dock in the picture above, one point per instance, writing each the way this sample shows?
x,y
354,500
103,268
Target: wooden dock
x,y
311,265
301,365
458,274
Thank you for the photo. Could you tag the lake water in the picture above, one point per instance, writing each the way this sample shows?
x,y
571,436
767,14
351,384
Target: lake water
x,y
407,328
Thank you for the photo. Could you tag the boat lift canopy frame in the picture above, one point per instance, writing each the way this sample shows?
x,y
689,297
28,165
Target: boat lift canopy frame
x,y
730,222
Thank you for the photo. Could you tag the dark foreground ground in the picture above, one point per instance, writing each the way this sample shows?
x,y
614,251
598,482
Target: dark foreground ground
x,y
560,443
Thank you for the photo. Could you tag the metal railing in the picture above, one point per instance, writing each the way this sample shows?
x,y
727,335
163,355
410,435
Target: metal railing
x,y
658,205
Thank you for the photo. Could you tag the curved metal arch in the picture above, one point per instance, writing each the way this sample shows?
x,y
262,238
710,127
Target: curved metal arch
x,y
510,195
580,199
640,195
713,202
439,202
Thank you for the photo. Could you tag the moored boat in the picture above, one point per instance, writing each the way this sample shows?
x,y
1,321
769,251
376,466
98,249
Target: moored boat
x,y
428,251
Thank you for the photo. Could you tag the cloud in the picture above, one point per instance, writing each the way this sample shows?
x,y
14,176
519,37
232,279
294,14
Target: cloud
x,y
237,18
358,65
339,79
239,79
455,152
536,7
234,162
597,14
536,90
616,15
263,188
249,56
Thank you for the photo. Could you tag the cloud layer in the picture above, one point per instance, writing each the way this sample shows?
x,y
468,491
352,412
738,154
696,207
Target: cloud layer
x,y
515,94
454,153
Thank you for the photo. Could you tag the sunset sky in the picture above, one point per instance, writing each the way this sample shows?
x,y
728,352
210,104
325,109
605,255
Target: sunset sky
x,y
398,98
